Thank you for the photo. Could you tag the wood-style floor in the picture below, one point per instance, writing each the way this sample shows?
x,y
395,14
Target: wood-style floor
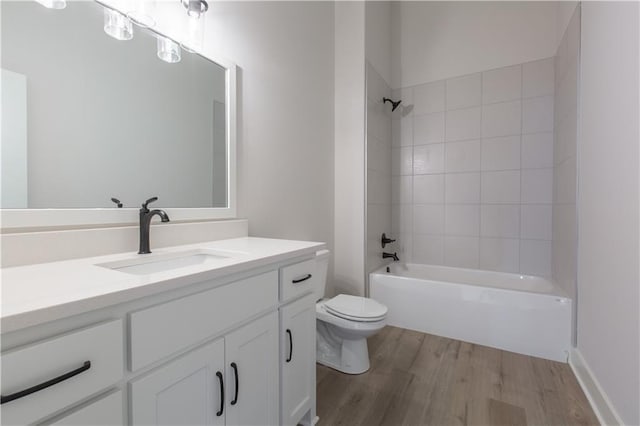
x,y
420,379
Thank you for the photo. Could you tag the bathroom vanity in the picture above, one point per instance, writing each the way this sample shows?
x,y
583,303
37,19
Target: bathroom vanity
x,y
211,333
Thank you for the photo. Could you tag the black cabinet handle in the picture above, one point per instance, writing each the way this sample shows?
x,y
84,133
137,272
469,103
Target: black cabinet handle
x,y
299,280
235,372
221,380
290,346
8,398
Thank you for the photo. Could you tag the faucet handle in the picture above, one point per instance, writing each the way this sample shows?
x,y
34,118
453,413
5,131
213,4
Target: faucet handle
x,y
150,200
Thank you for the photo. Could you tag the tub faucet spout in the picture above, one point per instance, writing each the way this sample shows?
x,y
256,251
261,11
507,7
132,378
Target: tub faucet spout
x,y
393,256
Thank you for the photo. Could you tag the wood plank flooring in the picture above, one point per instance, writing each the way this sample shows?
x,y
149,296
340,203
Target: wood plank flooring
x,y
420,379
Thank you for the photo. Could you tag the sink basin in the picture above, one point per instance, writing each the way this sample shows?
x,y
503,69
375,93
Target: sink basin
x,y
151,264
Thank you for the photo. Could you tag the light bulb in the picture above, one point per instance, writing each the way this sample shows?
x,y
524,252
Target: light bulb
x,y
168,50
117,25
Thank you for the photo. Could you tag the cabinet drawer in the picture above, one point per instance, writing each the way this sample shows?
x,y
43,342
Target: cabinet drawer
x,y
74,366
165,329
297,279
106,411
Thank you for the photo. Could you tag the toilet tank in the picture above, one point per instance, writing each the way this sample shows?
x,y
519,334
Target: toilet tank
x,y
322,266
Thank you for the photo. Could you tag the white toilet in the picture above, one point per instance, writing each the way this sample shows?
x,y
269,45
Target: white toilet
x,y
343,324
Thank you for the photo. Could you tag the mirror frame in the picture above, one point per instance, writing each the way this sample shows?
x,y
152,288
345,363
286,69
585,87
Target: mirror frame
x,y
16,220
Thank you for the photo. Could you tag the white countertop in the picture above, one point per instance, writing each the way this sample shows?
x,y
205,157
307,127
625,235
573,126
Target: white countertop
x,y
39,293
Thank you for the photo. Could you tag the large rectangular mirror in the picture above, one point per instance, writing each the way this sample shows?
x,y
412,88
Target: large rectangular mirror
x,y
87,118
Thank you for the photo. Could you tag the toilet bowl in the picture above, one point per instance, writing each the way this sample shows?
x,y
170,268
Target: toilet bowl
x,y
343,324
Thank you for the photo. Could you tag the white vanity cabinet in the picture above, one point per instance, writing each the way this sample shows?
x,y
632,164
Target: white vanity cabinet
x,y
227,349
226,382
298,363
297,344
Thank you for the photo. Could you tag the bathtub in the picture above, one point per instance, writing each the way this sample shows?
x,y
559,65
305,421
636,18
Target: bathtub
x,y
517,313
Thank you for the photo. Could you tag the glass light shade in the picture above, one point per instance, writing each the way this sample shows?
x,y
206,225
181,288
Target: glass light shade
x,y
117,25
194,34
142,12
168,50
53,4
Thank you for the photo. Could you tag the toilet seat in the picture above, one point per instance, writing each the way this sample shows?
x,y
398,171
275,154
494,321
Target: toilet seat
x,y
355,308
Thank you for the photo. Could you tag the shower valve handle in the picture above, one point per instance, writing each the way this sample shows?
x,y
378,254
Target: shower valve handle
x,y
384,240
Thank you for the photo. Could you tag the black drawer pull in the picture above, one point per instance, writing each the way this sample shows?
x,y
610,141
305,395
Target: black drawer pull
x,y
221,410
235,372
299,280
8,398
290,346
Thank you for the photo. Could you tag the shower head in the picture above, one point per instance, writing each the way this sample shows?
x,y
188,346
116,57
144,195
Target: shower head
x,y
394,105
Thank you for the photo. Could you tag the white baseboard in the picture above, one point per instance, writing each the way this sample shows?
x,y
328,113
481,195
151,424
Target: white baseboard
x,y
598,399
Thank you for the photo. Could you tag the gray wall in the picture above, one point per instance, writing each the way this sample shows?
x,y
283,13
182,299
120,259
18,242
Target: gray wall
x,y
608,202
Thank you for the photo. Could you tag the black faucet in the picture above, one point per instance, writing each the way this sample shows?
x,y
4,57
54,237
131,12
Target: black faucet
x,y
145,224
394,256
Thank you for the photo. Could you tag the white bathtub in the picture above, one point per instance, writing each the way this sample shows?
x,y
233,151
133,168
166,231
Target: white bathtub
x,y
517,313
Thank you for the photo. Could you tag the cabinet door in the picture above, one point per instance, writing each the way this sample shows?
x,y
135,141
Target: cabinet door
x,y
186,391
298,331
252,373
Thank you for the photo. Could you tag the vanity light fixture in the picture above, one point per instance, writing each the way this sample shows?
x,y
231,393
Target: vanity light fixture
x,y
117,25
53,4
168,50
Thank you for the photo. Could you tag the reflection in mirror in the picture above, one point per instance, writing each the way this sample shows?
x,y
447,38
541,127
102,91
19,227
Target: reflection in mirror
x,y
87,118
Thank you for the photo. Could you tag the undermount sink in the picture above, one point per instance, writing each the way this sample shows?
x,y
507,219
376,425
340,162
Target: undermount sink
x,y
151,264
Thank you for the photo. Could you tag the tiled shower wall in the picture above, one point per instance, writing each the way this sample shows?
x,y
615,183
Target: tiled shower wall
x,y
472,170
565,151
378,168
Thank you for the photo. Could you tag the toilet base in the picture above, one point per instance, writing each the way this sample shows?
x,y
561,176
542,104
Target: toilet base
x,y
350,356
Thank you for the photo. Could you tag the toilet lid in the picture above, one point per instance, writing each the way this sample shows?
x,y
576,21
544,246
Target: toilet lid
x,y
356,308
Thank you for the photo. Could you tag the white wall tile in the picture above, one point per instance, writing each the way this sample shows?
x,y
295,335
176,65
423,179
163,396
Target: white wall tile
x,y
428,159
462,219
537,186
428,219
463,252
405,247
501,153
462,188
402,218
501,119
402,189
537,150
476,190
428,249
428,98
535,257
502,84
535,222
463,124
500,254
428,189
538,78
402,161
501,187
428,128
462,156
406,131
537,115
464,92
500,220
